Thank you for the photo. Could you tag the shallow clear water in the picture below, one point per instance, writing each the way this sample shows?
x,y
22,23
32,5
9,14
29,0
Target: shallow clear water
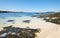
x,y
7,19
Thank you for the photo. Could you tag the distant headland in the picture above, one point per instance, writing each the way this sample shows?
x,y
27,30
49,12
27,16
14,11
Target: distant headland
x,y
9,12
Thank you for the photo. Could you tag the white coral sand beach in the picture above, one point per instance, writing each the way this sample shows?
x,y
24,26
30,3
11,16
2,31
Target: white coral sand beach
x,y
48,30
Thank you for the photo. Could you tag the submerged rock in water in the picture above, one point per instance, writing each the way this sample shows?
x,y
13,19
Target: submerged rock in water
x,y
26,21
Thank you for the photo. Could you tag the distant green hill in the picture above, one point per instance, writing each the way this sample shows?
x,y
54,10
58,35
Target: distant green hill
x,y
3,11
10,12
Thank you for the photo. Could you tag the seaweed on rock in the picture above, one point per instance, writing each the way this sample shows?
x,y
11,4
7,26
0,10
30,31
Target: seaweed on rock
x,y
15,32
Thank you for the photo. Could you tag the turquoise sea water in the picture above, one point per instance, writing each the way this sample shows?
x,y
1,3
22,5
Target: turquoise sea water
x,y
3,15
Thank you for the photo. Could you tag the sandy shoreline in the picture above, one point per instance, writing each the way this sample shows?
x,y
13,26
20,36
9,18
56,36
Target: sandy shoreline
x,y
48,30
